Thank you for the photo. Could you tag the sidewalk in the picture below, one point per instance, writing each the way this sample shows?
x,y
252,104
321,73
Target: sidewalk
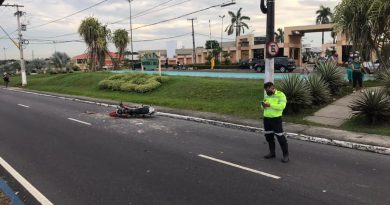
x,y
313,133
337,113
334,114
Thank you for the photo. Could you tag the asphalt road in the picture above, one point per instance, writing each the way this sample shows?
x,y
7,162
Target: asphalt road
x,y
157,160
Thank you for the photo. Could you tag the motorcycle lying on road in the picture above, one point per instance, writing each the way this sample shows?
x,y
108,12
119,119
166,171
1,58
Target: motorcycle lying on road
x,y
126,111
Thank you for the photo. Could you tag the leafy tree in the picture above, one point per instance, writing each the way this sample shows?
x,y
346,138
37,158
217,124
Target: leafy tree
x,y
237,23
226,57
37,64
215,49
324,17
212,44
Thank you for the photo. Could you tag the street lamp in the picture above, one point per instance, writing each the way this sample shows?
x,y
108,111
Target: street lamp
x,y
131,36
223,16
228,3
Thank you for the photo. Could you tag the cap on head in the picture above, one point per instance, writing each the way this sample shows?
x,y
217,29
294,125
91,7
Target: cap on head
x,y
268,85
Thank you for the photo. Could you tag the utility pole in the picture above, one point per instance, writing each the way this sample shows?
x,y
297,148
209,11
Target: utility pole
x,y
55,46
193,41
5,54
269,61
18,14
131,36
223,16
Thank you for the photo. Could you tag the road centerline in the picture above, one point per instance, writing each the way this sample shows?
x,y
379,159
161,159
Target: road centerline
x,y
21,105
239,166
79,121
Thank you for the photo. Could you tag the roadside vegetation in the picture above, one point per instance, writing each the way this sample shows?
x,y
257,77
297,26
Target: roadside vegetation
x,y
4,200
140,83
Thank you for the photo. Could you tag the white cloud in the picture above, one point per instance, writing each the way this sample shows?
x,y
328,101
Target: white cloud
x,y
288,13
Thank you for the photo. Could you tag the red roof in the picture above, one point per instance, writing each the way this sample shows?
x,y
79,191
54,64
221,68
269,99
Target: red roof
x,y
86,56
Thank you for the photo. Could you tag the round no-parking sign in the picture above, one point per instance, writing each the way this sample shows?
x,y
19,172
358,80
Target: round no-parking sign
x,y
272,49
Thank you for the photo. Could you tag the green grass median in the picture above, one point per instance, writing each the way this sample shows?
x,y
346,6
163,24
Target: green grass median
x,y
238,97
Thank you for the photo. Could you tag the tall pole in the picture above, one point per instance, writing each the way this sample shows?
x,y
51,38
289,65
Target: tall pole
x,y
5,54
269,61
131,36
193,40
221,34
55,46
22,64
18,14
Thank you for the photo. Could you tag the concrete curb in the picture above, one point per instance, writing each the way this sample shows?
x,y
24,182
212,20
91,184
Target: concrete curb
x,y
296,136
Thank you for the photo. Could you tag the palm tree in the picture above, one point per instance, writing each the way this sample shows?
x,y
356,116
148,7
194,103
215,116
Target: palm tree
x,y
334,35
324,16
88,30
104,35
279,35
96,37
120,38
237,23
60,60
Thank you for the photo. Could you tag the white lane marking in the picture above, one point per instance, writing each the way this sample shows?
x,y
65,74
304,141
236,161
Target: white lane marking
x,y
239,166
79,121
30,188
23,105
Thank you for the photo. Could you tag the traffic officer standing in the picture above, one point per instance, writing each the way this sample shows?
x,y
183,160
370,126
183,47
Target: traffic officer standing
x,y
273,106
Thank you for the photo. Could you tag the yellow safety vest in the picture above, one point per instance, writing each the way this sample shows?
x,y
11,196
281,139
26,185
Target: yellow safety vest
x,y
277,103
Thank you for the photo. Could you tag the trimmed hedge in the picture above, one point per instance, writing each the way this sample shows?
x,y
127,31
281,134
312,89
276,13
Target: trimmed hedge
x,y
140,83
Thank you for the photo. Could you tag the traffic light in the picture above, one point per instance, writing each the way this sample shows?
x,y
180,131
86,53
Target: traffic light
x,y
1,2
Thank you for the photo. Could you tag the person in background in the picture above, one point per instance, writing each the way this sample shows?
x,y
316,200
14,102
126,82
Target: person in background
x,y
212,62
349,68
357,74
6,79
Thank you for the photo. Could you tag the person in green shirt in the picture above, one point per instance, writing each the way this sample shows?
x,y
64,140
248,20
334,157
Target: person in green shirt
x,y
357,74
273,105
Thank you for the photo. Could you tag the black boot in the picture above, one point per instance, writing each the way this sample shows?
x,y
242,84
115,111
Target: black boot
x,y
284,147
285,159
283,144
271,153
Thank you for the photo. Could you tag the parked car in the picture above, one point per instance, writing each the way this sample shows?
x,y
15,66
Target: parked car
x,y
371,67
282,64
250,63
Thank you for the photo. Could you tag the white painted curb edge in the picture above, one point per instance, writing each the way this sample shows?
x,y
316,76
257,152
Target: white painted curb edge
x,y
339,143
30,188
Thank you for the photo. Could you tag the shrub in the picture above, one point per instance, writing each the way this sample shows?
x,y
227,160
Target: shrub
x,y
332,75
117,77
384,77
319,90
297,92
105,84
139,81
147,87
372,104
116,84
75,68
128,87
53,72
133,83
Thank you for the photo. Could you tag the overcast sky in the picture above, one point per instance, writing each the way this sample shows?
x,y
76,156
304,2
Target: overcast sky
x,y
38,12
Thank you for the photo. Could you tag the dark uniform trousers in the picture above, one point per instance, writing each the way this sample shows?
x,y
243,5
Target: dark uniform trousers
x,y
272,127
